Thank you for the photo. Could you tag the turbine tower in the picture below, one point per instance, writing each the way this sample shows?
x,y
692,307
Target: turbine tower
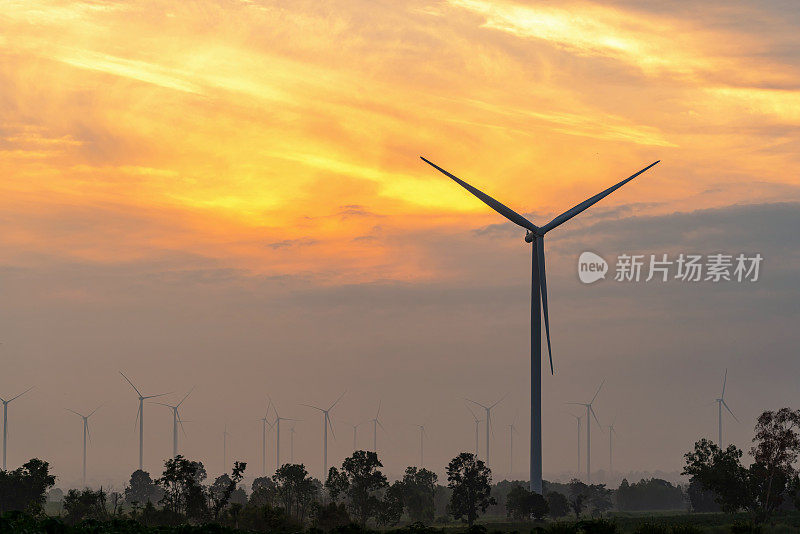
x,y
720,403
578,419
277,425
225,435
85,435
5,421
291,444
477,425
488,421
535,236
511,430
176,420
422,434
140,416
326,422
376,422
590,411
355,431
611,434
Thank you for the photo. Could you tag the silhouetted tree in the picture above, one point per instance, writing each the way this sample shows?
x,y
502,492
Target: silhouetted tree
x,y
360,483
777,446
649,494
296,490
417,490
330,516
224,486
557,504
142,489
471,482
182,481
721,472
578,495
85,504
599,499
263,492
522,503
25,488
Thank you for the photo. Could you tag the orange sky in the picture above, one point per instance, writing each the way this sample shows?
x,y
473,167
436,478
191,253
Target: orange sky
x,y
243,132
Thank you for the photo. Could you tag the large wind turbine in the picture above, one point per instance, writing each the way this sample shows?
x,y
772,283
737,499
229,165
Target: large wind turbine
x,y
720,403
590,411
5,421
176,420
477,426
535,236
140,416
326,422
85,435
277,424
376,422
488,421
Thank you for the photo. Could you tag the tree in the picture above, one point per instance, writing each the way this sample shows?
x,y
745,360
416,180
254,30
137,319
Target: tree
x,y
361,483
777,445
183,491
25,488
85,504
700,498
558,504
142,489
524,504
418,489
295,490
578,495
263,492
224,486
599,498
330,516
721,472
470,480
649,494
391,506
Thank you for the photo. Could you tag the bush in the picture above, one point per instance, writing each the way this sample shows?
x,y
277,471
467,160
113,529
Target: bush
x,y
562,528
651,528
745,527
597,526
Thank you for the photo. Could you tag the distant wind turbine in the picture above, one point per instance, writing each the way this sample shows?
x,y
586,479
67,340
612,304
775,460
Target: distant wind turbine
x,y
85,435
578,419
720,403
140,416
225,435
422,434
511,430
535,236
477,426
5,421
590,411
611,434
264,423
176,420
326,422
376,422
277,424
291,444
488,421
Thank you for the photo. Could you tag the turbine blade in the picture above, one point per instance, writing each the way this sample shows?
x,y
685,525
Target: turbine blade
x,y
180,422
543,283
73,411
159,395
595,418
473,413
724,382
503,210
598,391
729,411
138,409
88,431
330,424
479,404
131,383
185,396
91,414
379,409
21,394
381,425
567,215
337,400
311,406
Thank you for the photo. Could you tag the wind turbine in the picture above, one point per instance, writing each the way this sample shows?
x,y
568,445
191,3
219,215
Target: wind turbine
x,y
511,430
355,431
264,423
720,403
488,421
225,435
611,434
477,425
176,420
578,419
85,435
277,425
535,236
5,421
326,422
376,422
140,416
590,410
291,444
422,434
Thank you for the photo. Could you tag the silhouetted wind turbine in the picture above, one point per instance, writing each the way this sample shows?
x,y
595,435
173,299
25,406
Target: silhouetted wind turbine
x,y
140,416
535,236
376,422
5,421
326,422
720,403
590,410
477,425
277,424
85,435
488,421
176,420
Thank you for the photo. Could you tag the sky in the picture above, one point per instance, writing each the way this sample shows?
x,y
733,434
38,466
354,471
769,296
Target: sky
x,y
228,195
